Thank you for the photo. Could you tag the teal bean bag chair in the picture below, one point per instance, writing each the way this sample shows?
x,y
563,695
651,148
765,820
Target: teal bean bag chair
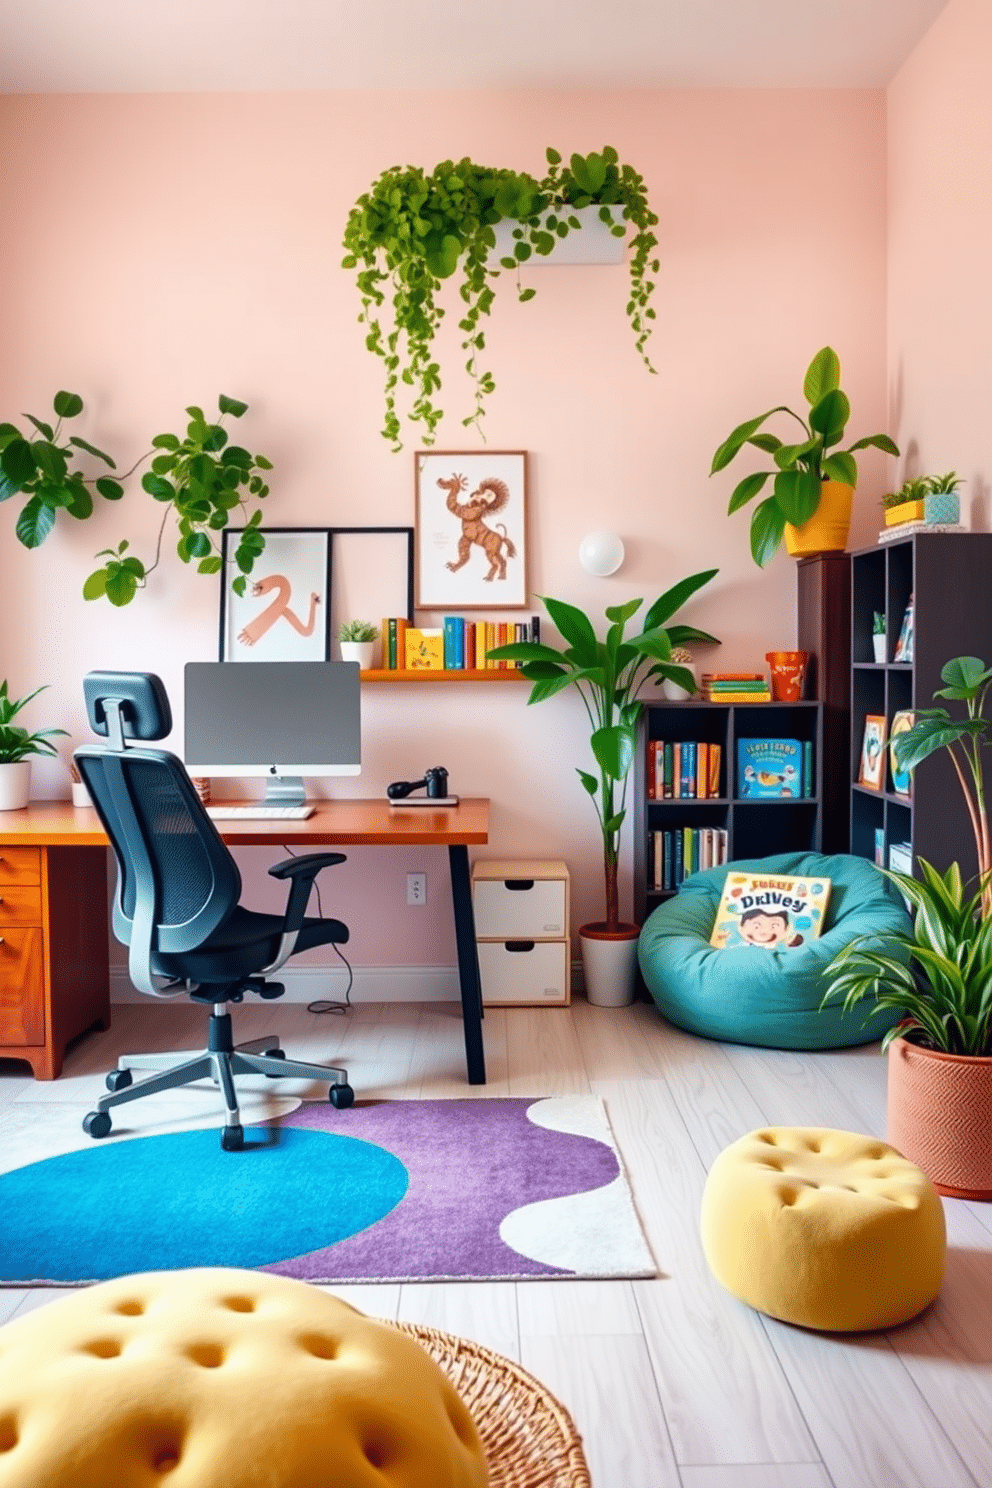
x,y
767,997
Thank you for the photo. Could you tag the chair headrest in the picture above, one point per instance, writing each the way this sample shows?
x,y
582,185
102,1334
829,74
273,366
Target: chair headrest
x,y
142,703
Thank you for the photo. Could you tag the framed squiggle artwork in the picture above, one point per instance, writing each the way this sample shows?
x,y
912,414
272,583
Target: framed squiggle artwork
x,y
284,611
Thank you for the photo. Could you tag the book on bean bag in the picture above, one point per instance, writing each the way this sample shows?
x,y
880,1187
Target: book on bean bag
x,y
770,912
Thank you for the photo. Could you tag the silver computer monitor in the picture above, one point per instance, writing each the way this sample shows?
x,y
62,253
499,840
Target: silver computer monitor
x,y
281,720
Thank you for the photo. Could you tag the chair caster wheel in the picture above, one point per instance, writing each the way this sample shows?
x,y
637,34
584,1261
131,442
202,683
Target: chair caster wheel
x,y
341,1097
119,1079
275,1054
96,1124
232,1138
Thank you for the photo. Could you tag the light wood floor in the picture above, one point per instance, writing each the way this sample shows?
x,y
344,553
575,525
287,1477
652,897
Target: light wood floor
x,y
671,1381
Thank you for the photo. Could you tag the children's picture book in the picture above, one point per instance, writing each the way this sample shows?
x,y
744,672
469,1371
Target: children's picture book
x,y
424,650
872,770
902,780
769,767
774,913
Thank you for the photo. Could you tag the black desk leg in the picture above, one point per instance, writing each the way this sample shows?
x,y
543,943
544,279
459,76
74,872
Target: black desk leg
x,y
468,962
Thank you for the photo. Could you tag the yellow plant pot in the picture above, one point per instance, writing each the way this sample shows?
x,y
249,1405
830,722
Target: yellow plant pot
x,y
906,511
826,531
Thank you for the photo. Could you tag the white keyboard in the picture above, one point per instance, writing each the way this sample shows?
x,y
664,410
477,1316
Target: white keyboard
x,y
259,813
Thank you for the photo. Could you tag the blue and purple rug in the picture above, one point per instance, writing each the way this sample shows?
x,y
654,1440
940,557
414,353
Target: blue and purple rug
x,y
490,1189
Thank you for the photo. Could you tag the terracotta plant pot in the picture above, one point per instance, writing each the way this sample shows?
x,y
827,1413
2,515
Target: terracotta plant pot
x,y
609,963
827,529
788,673
940,1117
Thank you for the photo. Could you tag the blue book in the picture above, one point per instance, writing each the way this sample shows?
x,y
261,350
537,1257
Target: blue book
x,y
454,643
677,866
807,767
666,858
769,767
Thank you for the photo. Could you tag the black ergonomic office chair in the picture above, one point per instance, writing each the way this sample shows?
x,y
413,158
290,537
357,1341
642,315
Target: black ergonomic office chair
x,y
177,904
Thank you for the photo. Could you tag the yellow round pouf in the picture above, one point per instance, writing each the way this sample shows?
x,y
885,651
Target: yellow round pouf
x,y
224,1379
823,1228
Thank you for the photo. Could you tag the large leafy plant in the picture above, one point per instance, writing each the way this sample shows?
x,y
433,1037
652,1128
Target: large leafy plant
x,y
967,681
200,479
414,229
609,676
800,467
939,973
16,743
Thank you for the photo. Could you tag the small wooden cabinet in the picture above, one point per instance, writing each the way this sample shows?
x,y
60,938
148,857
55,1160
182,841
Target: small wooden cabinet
x,y
54,957
521,927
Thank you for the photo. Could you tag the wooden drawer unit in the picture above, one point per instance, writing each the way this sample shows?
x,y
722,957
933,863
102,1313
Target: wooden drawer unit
x,y
521,927
54,957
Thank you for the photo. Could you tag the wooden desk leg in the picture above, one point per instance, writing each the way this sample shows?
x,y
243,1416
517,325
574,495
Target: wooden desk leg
x,y
468,962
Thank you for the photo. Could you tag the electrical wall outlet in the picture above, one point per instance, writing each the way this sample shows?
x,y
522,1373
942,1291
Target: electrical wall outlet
x,y
416,888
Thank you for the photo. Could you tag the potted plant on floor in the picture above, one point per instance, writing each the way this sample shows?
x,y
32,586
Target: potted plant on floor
x,y
609,676
813,481
940,972
16,749
413,229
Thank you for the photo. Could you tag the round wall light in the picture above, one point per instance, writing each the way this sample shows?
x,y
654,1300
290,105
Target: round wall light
x,y
601,553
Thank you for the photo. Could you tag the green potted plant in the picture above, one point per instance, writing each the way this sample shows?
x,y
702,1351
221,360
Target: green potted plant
x,y
906,504
940,972
609,676
414,229
17,747
878,635
942,501
201,480
357,640
813,480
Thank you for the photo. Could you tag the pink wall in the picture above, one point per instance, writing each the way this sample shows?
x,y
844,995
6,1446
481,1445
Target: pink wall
x,y
940,228
166,249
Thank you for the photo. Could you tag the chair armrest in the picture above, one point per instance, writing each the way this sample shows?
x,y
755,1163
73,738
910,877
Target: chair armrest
x,y
309,863
302,871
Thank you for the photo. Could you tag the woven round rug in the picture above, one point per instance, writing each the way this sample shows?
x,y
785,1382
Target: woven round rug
x,y
528,1436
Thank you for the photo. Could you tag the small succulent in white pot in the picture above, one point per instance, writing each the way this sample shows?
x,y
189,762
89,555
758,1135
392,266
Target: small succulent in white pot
x,y
357,640
16,748
672,691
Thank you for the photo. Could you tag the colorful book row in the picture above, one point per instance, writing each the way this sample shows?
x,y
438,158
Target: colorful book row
x,y
454,646
683,850
735,687
683,769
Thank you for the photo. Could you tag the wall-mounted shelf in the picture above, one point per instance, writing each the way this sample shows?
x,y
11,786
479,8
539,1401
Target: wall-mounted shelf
x,y
488,674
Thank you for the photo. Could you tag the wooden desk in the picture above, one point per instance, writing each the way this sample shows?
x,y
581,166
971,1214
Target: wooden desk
x,y
54,952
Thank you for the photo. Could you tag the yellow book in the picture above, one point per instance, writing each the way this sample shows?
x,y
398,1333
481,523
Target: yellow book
x,y
424,650
480,645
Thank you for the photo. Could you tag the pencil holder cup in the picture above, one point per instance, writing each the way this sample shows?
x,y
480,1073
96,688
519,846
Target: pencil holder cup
x,y
788,672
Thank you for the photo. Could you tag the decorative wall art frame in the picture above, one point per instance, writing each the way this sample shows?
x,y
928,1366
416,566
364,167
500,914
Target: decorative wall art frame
x,y
471,536
285,611
872,770
371,575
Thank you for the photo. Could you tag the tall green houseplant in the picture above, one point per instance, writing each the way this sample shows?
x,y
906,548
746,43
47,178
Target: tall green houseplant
x,y
609,676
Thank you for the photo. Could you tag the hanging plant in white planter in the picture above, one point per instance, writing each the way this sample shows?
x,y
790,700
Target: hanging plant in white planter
x,y
411,230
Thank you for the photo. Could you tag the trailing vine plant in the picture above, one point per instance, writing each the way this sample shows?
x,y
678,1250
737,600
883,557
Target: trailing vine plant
x,y
412,230
200,480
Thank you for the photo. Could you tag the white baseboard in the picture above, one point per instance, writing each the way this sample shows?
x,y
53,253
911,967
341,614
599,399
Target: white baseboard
x,y
371,984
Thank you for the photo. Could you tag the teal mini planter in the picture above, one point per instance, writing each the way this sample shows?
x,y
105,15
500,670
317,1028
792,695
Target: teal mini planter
x,y
940,507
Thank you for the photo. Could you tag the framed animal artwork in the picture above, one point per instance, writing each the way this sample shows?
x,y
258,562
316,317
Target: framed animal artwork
x,y
281,611
471,530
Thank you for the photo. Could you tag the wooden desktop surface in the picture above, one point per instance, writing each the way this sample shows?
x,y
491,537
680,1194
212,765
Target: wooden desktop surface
x,y
347,823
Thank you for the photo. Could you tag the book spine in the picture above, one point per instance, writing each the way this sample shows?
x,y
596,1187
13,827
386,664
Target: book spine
x,y
652,765
677,866
656,858
535,629
702,770
480,646
468,649
807,767
676,771
502,639
713,784
667,769
688,770
389,631
450,643
666,862
659,769
402,625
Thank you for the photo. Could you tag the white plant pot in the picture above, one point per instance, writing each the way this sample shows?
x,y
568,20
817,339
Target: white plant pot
x,y
360,651
609,964
878,646
80,795
15,785
592,243
673,692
